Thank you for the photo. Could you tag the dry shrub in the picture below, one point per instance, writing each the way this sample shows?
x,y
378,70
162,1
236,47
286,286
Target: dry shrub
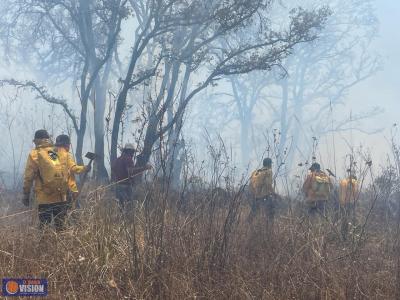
x,y
198,242
206,250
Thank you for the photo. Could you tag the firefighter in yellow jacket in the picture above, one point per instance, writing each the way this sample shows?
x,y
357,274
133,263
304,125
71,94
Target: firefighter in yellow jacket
x,y
317,188
348,193
45,171
63,144
262,189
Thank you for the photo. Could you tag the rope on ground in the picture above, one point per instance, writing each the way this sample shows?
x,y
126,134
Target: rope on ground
x,y
105,187
16,214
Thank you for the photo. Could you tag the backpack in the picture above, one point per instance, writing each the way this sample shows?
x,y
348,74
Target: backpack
x,y
261,182
320,186
53,174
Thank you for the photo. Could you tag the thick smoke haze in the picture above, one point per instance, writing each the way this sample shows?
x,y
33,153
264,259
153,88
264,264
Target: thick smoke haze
x,y
216,149
383,89
22,114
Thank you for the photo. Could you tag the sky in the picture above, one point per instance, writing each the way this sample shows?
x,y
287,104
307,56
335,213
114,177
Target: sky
x,y
382,89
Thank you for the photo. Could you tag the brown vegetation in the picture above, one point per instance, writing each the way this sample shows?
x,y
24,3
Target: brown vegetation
x,y
192,245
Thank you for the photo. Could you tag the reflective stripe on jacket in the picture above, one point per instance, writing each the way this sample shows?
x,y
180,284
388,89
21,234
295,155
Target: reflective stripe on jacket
x,y
308,186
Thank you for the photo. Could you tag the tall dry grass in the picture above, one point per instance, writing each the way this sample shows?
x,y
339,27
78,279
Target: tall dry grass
x,y
200,244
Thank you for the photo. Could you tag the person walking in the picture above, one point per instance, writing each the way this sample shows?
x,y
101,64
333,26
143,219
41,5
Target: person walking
x,y
49,177
317,188
63,145
123,171
262,189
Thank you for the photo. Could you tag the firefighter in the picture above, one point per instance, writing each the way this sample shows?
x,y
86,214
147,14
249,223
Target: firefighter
x,y
63,144
49,177
317,189
262,189
348,193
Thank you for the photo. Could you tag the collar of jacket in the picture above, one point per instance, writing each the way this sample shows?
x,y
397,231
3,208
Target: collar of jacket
x,y
42,143
318,172
61,149
263,169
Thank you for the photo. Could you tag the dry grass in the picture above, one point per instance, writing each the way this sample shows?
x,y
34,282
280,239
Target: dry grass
x,y
191,245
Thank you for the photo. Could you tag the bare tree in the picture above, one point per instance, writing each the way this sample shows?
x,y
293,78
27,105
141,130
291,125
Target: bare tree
x,y
200,54
67,40
192,44
322,73
315,78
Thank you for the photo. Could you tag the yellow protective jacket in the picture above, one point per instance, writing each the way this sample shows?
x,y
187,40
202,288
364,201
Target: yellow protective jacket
x,y
261,183
348,191
309,186
73,168
32,175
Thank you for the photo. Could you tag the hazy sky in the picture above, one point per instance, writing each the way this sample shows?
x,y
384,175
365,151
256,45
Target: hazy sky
x,y
383,89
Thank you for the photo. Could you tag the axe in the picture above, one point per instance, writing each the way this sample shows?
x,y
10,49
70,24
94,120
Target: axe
x,y
91,156
331,173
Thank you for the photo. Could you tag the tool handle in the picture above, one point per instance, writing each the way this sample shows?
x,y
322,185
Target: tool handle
x,y
82,183
85,176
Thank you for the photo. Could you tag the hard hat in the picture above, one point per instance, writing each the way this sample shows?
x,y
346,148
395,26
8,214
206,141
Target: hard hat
x,y
267,162
41,134
129,146
315,167
63,140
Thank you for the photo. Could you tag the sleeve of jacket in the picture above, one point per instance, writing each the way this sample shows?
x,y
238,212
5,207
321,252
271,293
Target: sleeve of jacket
x,y
73,167
73,187
31,170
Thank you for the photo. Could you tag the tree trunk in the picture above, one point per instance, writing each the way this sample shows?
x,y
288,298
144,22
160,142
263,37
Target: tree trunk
x,y
176,144
240,94
100,171
245,138
121,100
284,126
149,140
82,131
298,99
296,138
173,135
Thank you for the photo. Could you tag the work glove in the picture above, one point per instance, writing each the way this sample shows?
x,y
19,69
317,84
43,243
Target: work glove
x,y
25,199
88,168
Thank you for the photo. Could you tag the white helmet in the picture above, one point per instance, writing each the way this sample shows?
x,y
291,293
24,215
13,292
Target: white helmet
x,y
129,146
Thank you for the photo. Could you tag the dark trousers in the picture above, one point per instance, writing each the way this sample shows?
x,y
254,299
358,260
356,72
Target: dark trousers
x,y
124,194
54,211
266,205
317,207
